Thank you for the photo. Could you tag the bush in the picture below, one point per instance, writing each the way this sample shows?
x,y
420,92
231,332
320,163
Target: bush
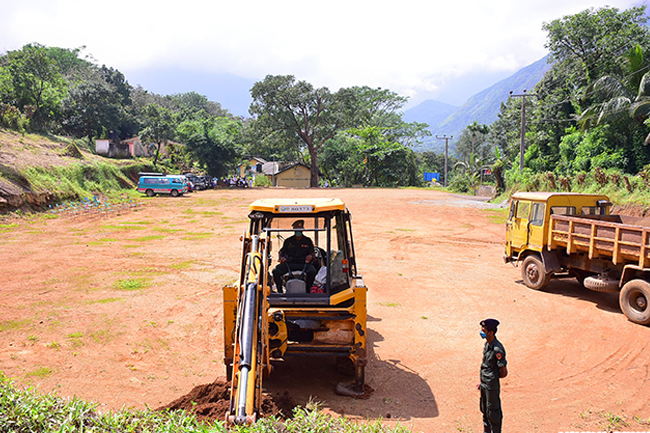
x,y
262,181
12,118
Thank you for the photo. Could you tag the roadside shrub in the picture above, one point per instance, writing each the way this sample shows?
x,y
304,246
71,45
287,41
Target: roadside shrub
x,y
262,181
459,183
12,118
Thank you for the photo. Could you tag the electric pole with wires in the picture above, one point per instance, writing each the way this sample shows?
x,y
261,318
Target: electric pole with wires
x,y
522,146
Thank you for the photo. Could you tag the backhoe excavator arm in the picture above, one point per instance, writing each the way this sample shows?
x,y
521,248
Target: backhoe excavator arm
x,y
250,340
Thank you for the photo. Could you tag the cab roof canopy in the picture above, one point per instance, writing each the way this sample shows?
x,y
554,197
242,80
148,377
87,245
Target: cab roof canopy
x,y
300,205
544,196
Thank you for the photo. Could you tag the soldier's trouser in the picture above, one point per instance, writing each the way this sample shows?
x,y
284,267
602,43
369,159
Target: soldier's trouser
x,y
491,409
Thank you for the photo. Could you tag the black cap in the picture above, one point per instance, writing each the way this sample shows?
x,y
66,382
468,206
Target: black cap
x,y
298,224
490,324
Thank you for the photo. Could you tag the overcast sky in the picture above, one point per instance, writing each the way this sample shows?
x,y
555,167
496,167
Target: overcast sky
x,y
413,47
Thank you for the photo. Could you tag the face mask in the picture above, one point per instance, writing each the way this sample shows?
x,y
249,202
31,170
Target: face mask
x,y
483,334
297,234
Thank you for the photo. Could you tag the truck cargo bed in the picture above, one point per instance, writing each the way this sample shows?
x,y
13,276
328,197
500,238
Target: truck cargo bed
x,y
622,239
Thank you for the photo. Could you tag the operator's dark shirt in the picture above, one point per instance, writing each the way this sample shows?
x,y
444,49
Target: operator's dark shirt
x,y
297,249
494,357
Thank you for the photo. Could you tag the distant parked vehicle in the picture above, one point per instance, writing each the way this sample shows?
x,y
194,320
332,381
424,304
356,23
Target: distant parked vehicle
x,y
171,184
197,181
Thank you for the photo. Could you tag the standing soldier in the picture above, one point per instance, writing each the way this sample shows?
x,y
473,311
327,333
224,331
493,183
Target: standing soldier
x,y
493,368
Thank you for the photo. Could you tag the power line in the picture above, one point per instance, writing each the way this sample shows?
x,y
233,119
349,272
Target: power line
x,y
523,126
444,137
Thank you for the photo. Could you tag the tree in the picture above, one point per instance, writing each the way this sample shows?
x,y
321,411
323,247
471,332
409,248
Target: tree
x,y
473,141
98,103
213,142
300,114
584,47
36,84
158,127
387,163
591,42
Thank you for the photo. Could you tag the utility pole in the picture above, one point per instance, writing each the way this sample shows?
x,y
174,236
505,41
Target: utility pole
x,y
523,126
444,137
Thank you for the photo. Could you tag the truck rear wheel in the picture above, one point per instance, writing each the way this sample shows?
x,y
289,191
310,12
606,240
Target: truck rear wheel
x,y
534,274
634,301
150,193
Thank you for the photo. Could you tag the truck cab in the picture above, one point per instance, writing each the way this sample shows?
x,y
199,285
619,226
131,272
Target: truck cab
x,y
527,226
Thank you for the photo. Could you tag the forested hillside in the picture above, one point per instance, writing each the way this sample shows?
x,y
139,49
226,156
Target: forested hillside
x,y
586,118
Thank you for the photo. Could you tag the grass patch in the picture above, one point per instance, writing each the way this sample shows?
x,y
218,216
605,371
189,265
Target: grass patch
x,y
102,336
131,284
103,241
122,227
196,236
148,238
76,339
389,304
13,325
104,301
497,216
81,179
165,230
182,265
6,227
40,373
54,345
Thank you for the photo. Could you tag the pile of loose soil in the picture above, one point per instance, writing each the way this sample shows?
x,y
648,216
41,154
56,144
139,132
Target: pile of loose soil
x,y
210,402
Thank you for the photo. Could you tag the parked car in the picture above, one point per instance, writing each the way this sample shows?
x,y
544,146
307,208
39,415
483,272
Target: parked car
x,y
171,184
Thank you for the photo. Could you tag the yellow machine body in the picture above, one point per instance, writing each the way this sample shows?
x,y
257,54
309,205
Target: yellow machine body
x,y
263,324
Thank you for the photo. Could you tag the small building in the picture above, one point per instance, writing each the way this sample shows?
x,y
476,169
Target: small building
x,y
111,149
279,173
296,175
251,167
136,149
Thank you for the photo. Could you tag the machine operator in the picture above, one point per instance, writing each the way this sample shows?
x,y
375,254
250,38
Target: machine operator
x,y
296,254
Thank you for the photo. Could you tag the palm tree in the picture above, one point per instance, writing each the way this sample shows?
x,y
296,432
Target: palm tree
x,y
617,100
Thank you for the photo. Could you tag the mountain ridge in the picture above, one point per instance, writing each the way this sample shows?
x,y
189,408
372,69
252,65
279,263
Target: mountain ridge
x,y
483,107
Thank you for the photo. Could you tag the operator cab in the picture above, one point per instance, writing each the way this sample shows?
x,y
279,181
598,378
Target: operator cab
x,y
327,223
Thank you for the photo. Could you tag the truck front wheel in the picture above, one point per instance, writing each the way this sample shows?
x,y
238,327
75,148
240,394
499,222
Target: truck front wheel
x,y
534,274
634,299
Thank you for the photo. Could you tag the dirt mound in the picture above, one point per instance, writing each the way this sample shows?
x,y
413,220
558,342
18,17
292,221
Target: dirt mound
x,y
634,210
210,402
72,151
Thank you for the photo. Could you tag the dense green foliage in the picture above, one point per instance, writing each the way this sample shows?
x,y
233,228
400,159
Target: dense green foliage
x,y
293,114
589,112
55,91
27,411
588,115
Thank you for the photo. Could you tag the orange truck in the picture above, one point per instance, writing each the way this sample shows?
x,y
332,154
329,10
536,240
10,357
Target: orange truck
x,y
552,234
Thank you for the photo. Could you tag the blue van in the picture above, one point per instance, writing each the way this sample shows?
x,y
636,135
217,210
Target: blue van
x,y
170,184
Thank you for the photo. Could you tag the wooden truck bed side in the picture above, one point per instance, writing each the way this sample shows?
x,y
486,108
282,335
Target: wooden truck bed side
x,y
623,240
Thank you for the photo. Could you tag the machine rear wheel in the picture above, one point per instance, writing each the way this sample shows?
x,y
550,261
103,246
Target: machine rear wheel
x,y
534,274
150,193
634,301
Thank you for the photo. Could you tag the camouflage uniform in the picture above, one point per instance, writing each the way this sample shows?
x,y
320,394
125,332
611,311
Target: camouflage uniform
x,y
494,357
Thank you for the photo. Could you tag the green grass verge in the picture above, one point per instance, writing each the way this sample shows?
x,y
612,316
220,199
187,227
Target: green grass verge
x,y
28,411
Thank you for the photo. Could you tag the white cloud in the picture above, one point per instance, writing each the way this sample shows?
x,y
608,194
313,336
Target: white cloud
x,y
407,46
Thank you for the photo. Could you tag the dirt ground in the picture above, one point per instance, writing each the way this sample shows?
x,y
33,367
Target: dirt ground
x,y
124,309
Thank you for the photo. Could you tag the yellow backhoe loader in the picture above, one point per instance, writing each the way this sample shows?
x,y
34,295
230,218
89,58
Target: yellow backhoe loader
x,y
282,309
